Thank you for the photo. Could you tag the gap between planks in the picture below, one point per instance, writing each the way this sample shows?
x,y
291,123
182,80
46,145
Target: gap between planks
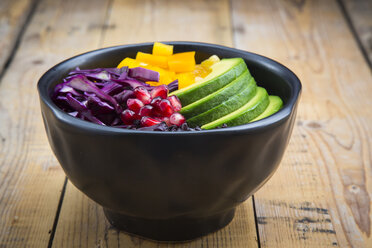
x,y
17,40
58,211
352,28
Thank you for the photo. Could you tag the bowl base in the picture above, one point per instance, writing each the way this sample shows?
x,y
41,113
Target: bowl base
x,y
176,229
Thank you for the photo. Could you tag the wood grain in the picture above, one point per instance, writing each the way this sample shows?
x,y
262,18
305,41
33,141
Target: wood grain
x,y
133,22
13,15
321,194
31,180
82,223
360,12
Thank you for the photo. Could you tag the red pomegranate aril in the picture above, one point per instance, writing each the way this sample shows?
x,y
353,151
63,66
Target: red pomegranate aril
x,y
176,103
160,91
142,94
148,121
165,107
166,120
134,104
146,110
177,119
155,101
128,116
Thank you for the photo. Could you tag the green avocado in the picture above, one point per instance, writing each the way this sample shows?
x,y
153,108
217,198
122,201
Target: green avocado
x,y
226,107
275,104
222,74
218,97
244,114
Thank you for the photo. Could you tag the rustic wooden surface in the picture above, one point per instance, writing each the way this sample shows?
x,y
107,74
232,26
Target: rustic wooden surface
x,y
13,15
319,197
359,13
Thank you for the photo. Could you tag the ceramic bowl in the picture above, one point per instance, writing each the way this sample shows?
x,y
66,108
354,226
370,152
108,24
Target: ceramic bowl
x,y
170,186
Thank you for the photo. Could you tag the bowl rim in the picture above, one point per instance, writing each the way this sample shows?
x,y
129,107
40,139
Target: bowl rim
x,y
270,121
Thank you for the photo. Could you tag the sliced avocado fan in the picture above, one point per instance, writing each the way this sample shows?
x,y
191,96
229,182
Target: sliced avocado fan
x,y
218,97
275,104
226,107
223,73
243,115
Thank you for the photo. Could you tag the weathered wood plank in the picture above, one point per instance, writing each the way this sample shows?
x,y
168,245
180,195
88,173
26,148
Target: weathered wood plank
x,y
13,15
133,22
321,194
82,223
30,177
360,12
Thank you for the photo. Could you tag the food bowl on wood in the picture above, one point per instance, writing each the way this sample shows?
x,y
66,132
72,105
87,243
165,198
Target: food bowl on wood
x,y
170,186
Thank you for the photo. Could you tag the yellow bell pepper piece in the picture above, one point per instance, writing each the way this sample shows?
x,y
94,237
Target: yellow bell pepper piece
x,y
162,49
131,63
156,60
185,79
181,65
182,56
167,77
182,62
152,83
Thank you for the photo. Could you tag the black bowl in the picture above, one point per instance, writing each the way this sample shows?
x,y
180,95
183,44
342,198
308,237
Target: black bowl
x,y
170,186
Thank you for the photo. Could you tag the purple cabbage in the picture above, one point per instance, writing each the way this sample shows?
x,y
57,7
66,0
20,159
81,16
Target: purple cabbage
x,y
173,86
81,83
82,109
144,74
112,88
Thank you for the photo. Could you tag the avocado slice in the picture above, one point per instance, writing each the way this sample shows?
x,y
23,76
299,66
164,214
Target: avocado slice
x,y
226,107
243,115
223,73
275,104
218,97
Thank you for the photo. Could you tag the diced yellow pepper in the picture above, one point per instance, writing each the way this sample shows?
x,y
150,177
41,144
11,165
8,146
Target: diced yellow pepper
x,y
156,60
181,65
152,83
210,61
162,49
185,79
182,62
182,56
130,63
167,77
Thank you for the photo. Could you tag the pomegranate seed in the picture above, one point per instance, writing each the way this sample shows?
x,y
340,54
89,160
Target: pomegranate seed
x,y
142,94
128,116
166,120
177,119
161,91
165,107
148,121
155,101
146,110
176,103
134,104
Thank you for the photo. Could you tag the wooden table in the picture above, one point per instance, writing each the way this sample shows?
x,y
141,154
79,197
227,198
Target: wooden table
x,y
319,197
